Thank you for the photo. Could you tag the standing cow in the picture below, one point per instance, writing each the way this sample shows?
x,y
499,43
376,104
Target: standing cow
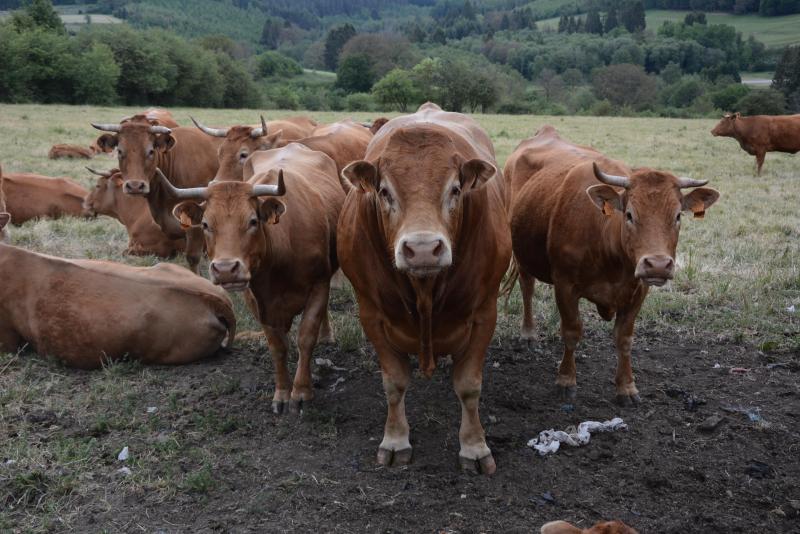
x,y
185,155
759,134
606,238
424,240
282,251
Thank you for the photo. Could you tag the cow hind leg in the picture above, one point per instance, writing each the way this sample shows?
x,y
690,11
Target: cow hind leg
x,y
278,343
526,285
760,162
313,317
571,333
626,391
326,335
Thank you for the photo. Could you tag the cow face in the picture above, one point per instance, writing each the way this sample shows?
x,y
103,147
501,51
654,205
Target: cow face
x,y
418,186
650,205
726,127
102,200
139,144
239,143
235,222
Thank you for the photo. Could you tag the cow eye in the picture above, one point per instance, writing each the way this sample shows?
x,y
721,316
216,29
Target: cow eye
x,y
629,216
456,191
385,195
253,222
678,219
243,155
150,153
205,226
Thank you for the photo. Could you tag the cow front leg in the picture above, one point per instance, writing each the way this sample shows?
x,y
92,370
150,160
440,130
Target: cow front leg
x,y
194,247
526,285
307,334
395,448
623,338
475,455
278,342
760,162
571,333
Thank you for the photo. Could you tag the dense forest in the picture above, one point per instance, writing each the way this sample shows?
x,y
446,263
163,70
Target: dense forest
x,y
476,56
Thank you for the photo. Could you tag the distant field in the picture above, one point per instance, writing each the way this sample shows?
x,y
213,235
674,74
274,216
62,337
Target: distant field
x,y
772,31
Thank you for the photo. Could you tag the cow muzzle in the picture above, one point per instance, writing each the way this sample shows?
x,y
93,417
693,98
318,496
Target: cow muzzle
x,y
655,270
232,275
423,254
136,187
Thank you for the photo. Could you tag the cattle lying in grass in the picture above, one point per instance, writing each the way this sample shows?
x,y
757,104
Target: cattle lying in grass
x,y
32,196
282,251
70,151
603,237
185,155
5,217
604,527
424,240
239,142
759,134
144,235
88,312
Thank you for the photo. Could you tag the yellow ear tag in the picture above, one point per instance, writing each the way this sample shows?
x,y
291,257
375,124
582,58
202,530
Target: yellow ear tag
x,y
608,209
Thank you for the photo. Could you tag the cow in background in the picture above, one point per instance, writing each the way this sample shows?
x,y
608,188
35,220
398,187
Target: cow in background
x,y
759,134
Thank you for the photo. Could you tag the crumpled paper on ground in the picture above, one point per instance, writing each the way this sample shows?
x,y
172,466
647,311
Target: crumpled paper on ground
x,y
549,441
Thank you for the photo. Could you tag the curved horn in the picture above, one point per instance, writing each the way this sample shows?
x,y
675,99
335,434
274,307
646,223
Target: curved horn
x,y
104,174
159,130
261,190
259,132
610,179
107,127
191,193
684,182
214,132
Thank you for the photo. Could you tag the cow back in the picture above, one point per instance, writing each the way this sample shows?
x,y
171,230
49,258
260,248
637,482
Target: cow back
x,y
31,196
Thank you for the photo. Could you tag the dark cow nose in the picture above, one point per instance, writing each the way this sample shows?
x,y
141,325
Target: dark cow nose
x,y
423,250
135,187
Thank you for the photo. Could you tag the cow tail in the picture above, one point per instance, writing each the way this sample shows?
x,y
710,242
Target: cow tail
x,y
512,275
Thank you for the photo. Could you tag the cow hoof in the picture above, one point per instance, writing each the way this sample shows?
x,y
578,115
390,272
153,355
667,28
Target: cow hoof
x,y
296,406
278,407
481,466
567,393
528,334
632,399
390,458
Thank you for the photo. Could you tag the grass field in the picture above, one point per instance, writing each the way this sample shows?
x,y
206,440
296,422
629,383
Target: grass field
x,y
738,275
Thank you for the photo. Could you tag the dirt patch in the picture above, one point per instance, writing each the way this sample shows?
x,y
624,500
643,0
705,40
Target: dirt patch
x,y
207,454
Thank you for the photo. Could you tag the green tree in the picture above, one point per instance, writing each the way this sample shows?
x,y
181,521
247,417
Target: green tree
x,y
271,33
395,89
632,16
96,75
335,41
355,74
787,71
611,18
38,14
727,97
593,22
762,102
274,64
625,85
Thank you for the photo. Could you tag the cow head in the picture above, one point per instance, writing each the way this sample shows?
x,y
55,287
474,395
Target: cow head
x,y
239,143
235,220
650,204
139,144
726,127
102,199
419,185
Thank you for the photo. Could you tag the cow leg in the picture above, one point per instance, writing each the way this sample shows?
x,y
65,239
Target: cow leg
x,y
760,161
278,343
313,316
526,285
326,336
623,337
571,332
475,455
194,247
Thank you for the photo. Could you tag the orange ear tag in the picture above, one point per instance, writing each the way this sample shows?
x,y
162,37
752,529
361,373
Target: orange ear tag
x,y
608,209
186,221
699,214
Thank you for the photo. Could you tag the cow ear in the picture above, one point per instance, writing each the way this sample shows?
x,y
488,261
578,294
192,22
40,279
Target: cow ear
x,y
737,115
189,213
699,200
361,175
117,179
164,142
475,172
271,209
5,218
606,198
107,142
271,140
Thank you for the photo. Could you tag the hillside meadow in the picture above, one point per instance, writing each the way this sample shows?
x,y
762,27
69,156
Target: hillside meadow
x,y
211,456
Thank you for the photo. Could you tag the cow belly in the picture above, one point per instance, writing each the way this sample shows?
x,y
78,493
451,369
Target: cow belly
x,y
450,338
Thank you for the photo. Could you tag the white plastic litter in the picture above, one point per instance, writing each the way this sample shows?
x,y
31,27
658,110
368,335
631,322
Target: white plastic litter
x,y
549,441
325,362
791,309
123,454
152,409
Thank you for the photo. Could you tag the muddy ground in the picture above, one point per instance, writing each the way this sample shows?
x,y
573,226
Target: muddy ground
x,y
213,458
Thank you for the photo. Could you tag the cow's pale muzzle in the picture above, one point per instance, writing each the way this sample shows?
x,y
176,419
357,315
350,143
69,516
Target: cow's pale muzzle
x,y
655,270
423,254
136,187
232,274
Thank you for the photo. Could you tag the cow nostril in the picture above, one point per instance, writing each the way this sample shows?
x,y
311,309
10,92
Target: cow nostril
x,y
235,267
648,262
438,249
408,252
669,264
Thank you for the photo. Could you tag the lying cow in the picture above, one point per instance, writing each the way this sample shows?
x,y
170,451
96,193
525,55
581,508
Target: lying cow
x,y
239,142
283,252
604,527
424,240
759,134
185,155
5,217
32,196
70,151
603,237
144,235
88,312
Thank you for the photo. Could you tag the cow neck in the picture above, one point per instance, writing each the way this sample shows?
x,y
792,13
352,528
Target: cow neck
x,y
161,204
615,254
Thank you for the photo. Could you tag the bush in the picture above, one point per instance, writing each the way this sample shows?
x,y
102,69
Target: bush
x,y
282,97
360,102
727,97
762,102
275,64
355,74
625,85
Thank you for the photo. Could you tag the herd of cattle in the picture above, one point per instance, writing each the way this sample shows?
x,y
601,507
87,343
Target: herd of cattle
x,y
415,212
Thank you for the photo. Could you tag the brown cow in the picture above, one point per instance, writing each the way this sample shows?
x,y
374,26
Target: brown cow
x,y
603,527
156,116
5,217
595,236
185,155
344,141
70,151
424,240
759,134
144,235
377,124
32,196
89,312
238,142
282,251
